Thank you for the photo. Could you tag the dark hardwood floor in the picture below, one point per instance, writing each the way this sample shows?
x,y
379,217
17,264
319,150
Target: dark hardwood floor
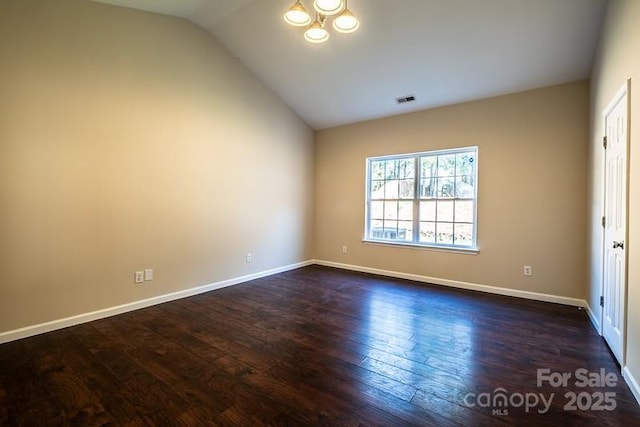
x,y
318,346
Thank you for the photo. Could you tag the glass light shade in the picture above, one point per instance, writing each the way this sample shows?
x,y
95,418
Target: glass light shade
x,y
346,22
316,33
297,15
328,7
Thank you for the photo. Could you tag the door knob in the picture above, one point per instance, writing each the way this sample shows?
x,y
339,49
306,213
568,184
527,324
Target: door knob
x,y
618,245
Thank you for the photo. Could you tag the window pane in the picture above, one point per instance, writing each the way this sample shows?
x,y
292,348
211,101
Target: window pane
x,y
377,210
464,187
391,189
464,211
406,168
463,234
391,171
444,233
405,230
445,211
447,165
465,164
374,228
405,211
428,166
445,187
427,232
377,169
377,189
406,189
428,211
390,210
428,188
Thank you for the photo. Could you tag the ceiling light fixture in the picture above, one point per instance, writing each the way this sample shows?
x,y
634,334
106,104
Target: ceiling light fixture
x,y
344,22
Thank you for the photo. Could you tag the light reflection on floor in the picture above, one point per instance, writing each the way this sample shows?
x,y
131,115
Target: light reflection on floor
x,y
415,350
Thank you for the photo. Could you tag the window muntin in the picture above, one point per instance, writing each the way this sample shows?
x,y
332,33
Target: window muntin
x,y
426,199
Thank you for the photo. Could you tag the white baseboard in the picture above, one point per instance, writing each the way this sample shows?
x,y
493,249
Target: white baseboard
x,y
124,308
594,320
632,383
460,285
112,311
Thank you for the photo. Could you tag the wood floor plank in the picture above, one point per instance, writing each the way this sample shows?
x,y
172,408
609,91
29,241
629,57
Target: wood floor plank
x,y
313,346
98,378
29,401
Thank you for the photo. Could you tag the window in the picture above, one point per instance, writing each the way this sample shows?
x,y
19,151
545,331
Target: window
x,y
426,199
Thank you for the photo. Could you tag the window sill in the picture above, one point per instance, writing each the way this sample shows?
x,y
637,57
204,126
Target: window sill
x,y
451,249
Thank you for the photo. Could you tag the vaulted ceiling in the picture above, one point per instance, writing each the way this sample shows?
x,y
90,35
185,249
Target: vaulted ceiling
x,y
441,51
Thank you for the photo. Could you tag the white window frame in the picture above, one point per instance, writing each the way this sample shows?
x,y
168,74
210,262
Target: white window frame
x,y
417,198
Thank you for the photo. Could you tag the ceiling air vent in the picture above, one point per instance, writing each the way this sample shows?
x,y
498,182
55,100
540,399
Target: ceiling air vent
x,y
404,99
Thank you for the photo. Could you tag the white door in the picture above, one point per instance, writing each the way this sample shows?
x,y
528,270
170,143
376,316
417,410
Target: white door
x,y
615,229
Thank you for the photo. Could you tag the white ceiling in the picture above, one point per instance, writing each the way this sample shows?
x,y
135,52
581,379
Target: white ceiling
x,y
442,51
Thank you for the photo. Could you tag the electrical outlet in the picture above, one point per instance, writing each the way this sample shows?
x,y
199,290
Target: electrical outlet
x,y
249,257
345,249
527,271
148,274
138,277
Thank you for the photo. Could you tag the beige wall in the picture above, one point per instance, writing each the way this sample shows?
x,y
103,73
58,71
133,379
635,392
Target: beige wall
x,y
617,61
131,140
532,189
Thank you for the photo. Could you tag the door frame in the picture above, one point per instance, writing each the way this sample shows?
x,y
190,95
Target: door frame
x,y
625,90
